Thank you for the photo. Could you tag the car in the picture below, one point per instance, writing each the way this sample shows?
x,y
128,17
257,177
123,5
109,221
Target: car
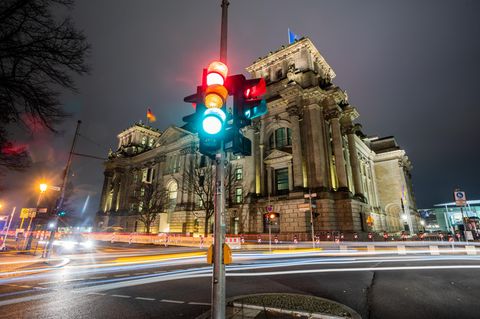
x,y
72,243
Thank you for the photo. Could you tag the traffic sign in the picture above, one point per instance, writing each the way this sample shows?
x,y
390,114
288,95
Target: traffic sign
x,y
460,198
3,218
312,195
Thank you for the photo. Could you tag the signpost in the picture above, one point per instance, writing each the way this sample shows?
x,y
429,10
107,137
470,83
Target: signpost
x,y
461,201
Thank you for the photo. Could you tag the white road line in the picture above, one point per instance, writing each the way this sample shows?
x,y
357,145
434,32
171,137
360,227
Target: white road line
x,y
99,277
143,298
49,282
141,273
123,275
40,288
199,303
96,293
77,279
172,301
121,296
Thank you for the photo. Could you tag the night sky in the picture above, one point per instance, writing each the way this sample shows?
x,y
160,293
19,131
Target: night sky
x,y
411,69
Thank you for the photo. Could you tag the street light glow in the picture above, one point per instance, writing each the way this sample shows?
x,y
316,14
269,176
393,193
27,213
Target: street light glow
x,y
43,187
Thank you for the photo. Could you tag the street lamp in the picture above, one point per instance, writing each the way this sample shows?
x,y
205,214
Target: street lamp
x,y
43,187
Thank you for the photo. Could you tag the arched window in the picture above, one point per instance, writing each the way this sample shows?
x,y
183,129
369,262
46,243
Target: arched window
x,y
172,189
280,138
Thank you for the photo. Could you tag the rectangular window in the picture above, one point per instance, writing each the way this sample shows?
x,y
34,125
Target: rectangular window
x,y
140,206
239,174
142,191
147,175
281,180
238,195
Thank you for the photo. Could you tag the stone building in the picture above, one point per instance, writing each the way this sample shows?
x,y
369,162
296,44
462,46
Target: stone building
x,y
309,141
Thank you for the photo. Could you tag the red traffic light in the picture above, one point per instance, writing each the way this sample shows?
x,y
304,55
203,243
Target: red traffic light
x,y
255,88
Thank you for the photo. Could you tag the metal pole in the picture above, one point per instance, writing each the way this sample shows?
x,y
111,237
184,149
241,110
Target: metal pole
x,y
311,217
224,32
269,233
464,225
62,190
4,245
218,280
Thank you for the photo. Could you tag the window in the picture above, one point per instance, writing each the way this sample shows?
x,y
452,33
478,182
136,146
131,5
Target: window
x,y
148,175
172,189
279,74
281,180
239,174
238,195
144,140
142,191
173,164
150,142
140,206
280,138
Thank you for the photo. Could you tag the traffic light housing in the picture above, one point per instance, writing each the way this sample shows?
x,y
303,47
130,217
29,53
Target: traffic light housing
x,y
248,101
210,117
212,121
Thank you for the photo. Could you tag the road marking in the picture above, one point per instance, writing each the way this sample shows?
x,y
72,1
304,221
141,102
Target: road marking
x,y
172,301
96,293
143,298
99,277
40,288
121,296
123,275
141,273
199,303
49,282
77,279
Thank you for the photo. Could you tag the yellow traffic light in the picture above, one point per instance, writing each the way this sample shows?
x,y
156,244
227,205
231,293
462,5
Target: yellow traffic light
x,y
215,96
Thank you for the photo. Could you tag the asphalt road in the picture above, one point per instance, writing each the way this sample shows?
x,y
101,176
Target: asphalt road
x,y
175,283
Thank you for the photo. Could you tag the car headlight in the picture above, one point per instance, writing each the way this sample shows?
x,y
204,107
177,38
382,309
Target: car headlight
x,y
69,244
88,244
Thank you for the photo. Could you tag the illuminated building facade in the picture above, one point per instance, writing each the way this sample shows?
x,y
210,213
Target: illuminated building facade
x,y
309,141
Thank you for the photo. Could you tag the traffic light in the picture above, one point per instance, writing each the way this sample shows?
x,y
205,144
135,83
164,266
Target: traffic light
x,y
210,117
248,101
62,213
211,120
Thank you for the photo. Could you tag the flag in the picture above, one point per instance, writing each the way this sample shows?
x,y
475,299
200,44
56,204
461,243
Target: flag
x,y
292,37
150,116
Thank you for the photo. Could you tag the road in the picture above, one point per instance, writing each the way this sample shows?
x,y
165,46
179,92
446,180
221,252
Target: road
x,y
143,282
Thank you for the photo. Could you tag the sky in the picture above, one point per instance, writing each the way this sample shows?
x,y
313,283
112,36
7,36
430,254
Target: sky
x,y
410,68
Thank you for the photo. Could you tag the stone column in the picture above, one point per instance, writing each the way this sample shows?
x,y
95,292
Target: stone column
x,y
251,175
316,160
334,116
116,186
296,147
357,179
262,170
290,177
262,154
106,189
269,180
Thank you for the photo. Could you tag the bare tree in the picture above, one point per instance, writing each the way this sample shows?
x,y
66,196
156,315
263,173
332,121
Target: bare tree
x,y
202,184
39,53
150,201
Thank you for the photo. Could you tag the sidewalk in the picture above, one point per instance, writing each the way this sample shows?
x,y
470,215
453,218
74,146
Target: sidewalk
x,y
14,264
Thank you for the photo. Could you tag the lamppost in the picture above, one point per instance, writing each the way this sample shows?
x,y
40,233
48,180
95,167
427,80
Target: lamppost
x,y
271,217
43,188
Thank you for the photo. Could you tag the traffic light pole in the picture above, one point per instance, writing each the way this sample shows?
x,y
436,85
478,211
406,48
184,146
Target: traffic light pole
x,y
49,246
218,280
